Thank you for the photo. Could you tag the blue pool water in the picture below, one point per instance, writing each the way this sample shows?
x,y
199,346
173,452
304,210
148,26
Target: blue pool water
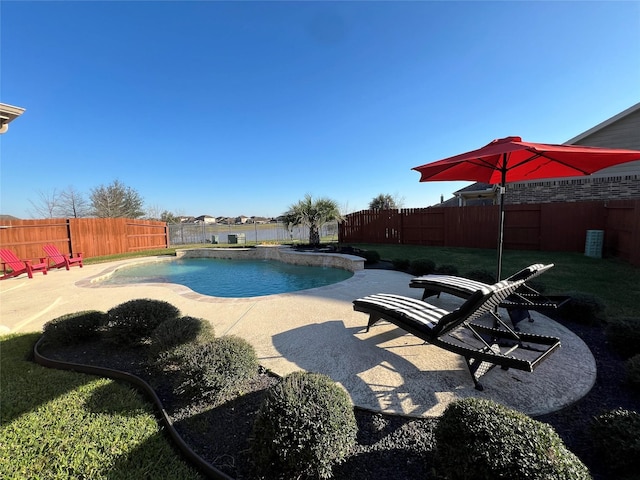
x,y
230,278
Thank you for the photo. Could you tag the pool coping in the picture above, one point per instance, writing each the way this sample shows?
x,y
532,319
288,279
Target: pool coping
x,y
281,253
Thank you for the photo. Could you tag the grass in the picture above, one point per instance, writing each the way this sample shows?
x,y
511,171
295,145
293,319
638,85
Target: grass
x,y
56,424
615,282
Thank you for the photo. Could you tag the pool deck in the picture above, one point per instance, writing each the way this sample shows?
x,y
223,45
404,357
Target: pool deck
x,y
317,330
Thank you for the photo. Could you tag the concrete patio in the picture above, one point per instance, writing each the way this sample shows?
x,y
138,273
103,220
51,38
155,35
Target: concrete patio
x,y
317,330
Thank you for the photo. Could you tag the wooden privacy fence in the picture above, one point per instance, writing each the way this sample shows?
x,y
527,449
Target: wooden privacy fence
x,y
542,226
93,237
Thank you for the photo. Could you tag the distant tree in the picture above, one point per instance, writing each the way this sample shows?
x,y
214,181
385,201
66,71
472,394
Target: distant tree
x,y
169,217
116,200
46,205
152,212
313,214
73,204
384,202
68,203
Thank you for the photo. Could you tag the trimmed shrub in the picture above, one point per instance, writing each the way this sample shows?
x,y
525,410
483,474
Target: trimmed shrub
x,y
422,266
75,327
623,335
370,256
633,372
215,369
484,276
305,425
616,437
132,322
177,331
446,270
582,308
480,439
401,264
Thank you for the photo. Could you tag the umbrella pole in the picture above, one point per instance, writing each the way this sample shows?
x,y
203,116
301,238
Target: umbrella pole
x,y
501,219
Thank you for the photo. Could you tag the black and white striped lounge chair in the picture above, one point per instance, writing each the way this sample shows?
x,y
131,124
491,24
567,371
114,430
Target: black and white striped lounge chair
x,y
517,305
483,347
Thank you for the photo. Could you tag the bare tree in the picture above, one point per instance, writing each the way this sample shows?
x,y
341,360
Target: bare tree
x,y
116,200
46,205
73,204
153,212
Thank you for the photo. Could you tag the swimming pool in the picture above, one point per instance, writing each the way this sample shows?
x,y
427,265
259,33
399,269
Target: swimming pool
x,y
231,278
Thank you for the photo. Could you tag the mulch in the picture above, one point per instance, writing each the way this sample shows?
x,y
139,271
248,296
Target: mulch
x,y
388,446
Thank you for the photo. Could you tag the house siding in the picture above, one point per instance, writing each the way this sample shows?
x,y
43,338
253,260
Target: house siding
x,y
625,133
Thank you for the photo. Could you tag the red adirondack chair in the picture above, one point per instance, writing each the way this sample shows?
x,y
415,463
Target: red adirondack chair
x,y
18,267
59,259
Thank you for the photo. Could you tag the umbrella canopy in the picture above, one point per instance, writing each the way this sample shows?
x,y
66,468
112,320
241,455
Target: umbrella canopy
x,y
511,160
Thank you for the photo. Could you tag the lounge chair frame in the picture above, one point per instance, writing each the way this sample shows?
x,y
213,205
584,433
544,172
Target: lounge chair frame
x,y
483,347
517,305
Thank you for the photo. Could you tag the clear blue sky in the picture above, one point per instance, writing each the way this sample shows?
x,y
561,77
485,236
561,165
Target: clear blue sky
x,y
229,108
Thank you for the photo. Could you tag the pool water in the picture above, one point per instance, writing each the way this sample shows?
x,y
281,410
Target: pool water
x,y
231,278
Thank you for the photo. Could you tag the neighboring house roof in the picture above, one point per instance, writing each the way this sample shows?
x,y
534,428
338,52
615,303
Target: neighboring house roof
x,y
474,194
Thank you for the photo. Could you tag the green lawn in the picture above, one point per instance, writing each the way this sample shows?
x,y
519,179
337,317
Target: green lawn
x,y
57,425
615,282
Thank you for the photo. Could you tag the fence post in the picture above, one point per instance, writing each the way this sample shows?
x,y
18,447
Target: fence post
x,y
69,242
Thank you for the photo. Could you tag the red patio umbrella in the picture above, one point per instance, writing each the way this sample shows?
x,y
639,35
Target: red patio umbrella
x,y
511,160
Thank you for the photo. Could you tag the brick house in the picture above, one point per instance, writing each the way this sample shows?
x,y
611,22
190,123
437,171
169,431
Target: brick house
x,y
619,182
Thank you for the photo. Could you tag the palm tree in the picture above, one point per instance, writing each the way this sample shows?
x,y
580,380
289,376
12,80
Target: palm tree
x,y
313,214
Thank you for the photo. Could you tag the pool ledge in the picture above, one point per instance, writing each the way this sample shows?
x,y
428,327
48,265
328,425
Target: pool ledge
x,y
285,254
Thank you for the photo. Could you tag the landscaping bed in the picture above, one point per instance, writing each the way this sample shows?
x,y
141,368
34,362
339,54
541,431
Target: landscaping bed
x,y
388,446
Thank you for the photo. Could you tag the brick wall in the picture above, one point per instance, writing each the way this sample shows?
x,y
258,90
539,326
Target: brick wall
x,y
574,190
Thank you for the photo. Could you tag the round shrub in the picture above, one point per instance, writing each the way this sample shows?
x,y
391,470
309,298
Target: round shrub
x,y
305,425
75,327
623,335
370,256
616,437
446,270
422,266
633,372
132,322
177,331
484,276
401,264
480,439
216,368
583,308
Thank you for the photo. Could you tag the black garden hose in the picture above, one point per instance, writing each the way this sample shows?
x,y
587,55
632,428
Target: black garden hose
x,y
205,467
